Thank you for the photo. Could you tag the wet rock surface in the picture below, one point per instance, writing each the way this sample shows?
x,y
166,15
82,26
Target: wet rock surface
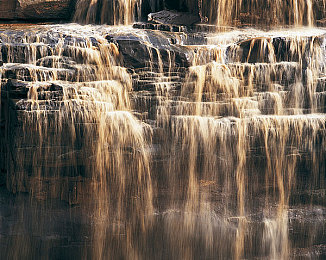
x,y
136,54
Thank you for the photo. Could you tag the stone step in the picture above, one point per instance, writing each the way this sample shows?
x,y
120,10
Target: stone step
x,y
149,85
35,53
28,72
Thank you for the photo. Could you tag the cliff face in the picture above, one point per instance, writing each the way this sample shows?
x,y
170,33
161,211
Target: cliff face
x,y
36,9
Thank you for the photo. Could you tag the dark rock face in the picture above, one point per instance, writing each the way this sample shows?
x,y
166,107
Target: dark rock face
x,y
7,9
36,9
183,5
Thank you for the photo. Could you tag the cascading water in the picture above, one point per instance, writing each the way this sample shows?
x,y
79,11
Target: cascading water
x,y
145,144
237,131
267,12
220,12
110,12
78,124
120,12
276,13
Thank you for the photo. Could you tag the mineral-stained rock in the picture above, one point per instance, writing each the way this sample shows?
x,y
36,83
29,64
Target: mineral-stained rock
x,y
36,9
43,9
173,17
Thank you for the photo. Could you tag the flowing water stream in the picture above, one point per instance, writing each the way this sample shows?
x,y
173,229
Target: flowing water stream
x,y
219,12
145,144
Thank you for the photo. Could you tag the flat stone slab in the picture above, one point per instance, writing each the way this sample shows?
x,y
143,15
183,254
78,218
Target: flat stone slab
x,y
173,17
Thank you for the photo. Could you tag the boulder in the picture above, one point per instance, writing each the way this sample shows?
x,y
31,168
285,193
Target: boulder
x,y
137,54
173,17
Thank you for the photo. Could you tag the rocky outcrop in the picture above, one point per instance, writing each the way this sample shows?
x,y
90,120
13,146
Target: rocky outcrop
x,y
36,9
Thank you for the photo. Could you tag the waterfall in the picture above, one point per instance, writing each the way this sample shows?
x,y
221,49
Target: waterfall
x,y
129,143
